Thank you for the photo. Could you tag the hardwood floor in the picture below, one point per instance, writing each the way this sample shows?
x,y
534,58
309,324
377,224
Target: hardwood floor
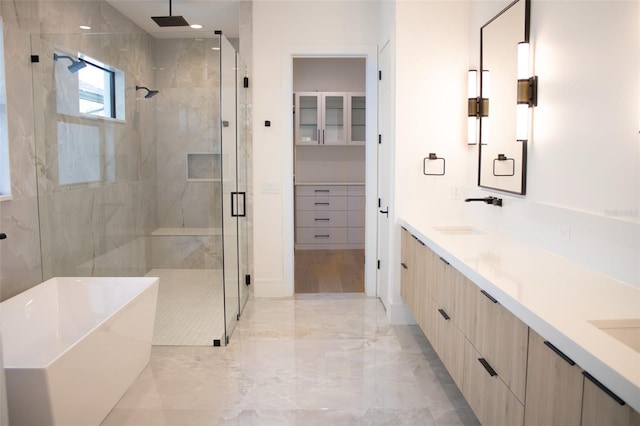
x,y
329,271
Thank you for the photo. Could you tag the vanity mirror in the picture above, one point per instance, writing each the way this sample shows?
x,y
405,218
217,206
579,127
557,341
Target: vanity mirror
x,y
502,157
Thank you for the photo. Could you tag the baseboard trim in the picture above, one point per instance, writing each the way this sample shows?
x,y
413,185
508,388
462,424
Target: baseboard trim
x,y
399,314
270,288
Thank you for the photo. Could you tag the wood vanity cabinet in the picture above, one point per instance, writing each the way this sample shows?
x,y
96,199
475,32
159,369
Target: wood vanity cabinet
x,y
508,373
490,399
554,386
599,407
412,287
502,339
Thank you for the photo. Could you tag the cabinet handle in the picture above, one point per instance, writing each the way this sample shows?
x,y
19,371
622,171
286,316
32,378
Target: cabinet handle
x,y
322,190
318,136
323,236
447,263
3,236
444,314
322,204
490,297
404,266
322,136
487,367
321,219
559,353
605,389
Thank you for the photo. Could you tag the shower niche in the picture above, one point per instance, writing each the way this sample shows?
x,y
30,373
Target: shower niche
x,y
203,167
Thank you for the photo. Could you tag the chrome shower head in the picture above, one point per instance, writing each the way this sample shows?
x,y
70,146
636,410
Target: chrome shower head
x,y
150,93
75,66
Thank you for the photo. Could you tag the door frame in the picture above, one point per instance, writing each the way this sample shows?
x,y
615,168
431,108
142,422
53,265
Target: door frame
x,y
370,54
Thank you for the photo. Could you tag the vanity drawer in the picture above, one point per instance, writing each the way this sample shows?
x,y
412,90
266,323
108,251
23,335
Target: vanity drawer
x,y
355,235
323,190
321,236
321,203
355,218
327,218
355,203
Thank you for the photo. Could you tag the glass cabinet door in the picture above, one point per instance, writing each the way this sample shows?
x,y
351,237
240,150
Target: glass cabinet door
x,y
357,119
307,119
334,113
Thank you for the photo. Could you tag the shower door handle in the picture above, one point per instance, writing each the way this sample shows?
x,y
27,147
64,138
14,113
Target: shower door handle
x,y
238,200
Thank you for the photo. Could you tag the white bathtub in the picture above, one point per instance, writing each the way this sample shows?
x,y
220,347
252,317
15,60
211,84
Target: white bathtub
x,y
73,346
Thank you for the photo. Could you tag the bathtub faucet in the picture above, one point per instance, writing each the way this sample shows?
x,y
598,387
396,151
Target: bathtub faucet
x,y
489,200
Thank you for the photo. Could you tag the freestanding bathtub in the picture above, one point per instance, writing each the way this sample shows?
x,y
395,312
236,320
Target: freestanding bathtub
x,y
73,346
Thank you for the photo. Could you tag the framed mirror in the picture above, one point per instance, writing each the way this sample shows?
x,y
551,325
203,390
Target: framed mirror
x,y
502,159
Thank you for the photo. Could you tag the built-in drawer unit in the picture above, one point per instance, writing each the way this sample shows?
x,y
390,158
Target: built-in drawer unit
x,y
329,216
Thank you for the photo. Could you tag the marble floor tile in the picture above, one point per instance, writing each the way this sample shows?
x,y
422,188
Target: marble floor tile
x,y
330,359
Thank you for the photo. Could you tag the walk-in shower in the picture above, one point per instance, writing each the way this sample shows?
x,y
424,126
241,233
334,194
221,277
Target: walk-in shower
x,y
128,187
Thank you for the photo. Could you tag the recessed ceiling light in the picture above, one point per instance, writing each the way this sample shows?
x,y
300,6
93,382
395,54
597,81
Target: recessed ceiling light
x,y
85,27
196,26
215,48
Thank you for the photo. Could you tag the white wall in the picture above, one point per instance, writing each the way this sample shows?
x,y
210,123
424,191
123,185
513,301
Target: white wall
x,y
329,75
431,64
280,29
584,156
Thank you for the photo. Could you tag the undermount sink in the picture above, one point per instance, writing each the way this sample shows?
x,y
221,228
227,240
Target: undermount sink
x,y
458,230
626,331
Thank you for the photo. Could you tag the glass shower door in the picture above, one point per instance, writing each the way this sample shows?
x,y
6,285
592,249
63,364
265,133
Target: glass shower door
x,y
243,187
230,207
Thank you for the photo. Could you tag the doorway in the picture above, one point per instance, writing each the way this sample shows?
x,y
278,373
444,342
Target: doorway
x,y
329,174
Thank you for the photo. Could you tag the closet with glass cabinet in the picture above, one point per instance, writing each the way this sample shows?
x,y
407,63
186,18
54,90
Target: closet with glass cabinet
x,y
329,152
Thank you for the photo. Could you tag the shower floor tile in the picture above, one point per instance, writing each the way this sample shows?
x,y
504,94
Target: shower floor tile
x,y
190,307
312,359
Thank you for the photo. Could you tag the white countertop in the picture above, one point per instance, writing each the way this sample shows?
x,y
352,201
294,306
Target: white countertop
x,y
555,297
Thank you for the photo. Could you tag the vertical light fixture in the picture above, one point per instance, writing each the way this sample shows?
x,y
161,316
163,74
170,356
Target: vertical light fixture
x,y
478,106
527,93
472,120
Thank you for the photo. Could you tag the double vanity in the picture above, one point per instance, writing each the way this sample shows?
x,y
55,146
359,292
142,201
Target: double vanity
x,y
530,338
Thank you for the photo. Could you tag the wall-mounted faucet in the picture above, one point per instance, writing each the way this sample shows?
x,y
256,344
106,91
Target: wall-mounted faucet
x,y
489,200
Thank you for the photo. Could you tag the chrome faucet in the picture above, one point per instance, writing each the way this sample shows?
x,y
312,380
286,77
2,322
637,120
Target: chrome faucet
x,y
489,200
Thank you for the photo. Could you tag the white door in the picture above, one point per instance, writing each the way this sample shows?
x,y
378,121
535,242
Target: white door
x,y
384,165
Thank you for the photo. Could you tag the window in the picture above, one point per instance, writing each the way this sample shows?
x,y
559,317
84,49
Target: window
x,y
93,88
97,90
5,175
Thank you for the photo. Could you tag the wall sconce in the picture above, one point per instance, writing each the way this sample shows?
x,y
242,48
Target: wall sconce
x,y
527,93
477,106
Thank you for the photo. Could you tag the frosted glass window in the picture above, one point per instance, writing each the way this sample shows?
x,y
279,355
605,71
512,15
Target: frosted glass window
x,y
78,153
5,175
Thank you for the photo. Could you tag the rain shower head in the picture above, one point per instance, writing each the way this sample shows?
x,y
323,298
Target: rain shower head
x,y
150,93
170,21
75,66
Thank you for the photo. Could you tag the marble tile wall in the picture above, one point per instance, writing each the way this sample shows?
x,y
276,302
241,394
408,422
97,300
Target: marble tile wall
x,y
187,116
81,224
99,227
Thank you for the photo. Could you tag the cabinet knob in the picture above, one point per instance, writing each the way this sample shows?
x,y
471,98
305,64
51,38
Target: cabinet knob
x,y
3,236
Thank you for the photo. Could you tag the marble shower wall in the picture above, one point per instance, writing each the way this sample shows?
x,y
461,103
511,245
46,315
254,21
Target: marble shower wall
x,y
91,227
20,266
187,115
95,228
187,73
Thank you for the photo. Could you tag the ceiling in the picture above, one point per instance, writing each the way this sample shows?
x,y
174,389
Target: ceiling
x,y
211,14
